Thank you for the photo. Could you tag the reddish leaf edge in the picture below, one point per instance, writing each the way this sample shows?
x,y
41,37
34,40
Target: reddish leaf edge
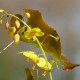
x,y
70,68
66,64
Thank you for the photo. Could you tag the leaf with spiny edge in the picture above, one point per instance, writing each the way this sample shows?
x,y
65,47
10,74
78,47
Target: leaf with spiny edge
x,y
50,44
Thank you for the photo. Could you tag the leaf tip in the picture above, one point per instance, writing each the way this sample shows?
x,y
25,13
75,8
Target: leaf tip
x,y
70,68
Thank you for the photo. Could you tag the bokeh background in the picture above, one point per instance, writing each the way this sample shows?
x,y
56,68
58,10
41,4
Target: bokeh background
x,y
62,15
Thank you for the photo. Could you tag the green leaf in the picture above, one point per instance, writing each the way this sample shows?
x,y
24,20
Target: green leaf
x,y
50,44
29,75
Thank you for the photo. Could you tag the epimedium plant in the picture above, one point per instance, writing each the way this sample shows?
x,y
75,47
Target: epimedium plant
x,y
37,32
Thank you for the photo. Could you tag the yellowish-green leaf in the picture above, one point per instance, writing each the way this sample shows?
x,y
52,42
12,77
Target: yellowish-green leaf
x,y
50,44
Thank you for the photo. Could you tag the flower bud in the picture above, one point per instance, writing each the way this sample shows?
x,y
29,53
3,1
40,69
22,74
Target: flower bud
x,y
34,65
12,30
27,60
16,38
1,10
0,21
7,25
17,23
28,15
44,73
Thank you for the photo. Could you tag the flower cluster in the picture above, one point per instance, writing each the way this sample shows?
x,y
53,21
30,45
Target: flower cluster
x,y
12,31
39,61
16,26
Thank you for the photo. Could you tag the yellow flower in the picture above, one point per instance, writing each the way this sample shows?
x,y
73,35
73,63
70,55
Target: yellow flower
x,y
41,62
31,55
29,34
43,65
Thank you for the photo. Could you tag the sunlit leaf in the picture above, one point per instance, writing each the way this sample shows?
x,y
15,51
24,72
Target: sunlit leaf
x,y
50,44
29,75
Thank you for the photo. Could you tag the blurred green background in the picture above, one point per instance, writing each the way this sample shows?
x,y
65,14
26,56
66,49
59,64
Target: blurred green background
x,y
62,15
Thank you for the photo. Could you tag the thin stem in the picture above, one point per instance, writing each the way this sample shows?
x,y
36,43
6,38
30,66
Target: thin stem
x,y
44,57
6,47
16,18
40,55
42,49
50,75
19,30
